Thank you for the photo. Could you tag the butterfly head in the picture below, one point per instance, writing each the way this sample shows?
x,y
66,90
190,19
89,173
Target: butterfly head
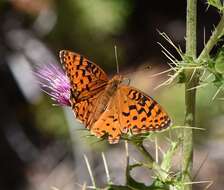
x,y
116,80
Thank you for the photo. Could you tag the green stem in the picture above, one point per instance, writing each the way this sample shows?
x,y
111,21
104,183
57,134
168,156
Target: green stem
x,y
217,33
191,41
147,156
150,161
190,95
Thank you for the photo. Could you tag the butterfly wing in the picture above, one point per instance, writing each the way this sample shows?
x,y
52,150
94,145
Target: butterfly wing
x,y
139,112
85,110
108,124
130,110
87,81
86,78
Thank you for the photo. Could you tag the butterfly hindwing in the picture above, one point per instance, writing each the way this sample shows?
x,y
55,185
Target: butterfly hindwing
x,y
108,125
85,110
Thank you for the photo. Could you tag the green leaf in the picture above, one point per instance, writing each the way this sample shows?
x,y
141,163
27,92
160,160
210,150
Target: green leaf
x,y
219,61
167,158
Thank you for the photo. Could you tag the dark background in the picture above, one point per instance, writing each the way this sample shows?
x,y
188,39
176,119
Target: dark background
x,y
35,138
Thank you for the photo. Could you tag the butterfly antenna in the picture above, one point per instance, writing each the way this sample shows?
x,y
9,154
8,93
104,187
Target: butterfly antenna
x,y
116,57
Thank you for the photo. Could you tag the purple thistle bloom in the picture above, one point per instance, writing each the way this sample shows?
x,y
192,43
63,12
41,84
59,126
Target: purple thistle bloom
x,y
55,83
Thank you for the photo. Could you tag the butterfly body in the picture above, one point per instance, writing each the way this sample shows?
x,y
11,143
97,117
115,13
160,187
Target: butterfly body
x,y
108,93
109,108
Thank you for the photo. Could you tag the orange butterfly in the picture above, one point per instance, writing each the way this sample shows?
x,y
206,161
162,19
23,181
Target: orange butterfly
x,y
107,107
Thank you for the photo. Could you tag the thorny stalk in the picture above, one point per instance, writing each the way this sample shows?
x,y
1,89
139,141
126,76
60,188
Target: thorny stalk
x,y
190,96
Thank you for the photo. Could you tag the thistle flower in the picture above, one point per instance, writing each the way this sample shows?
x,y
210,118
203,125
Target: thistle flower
x,y
55,83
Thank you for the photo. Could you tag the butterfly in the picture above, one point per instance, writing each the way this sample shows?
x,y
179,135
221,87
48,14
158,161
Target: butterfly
x,y
109,108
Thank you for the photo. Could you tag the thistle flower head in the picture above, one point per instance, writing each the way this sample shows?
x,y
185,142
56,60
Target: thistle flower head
x,y
55,83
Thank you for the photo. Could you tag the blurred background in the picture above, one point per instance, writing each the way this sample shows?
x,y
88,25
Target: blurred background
x,y
42,146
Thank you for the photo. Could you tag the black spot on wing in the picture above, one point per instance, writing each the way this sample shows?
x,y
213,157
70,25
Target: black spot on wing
x,y
141,110
143,101
134,95
73,58
76,74
132,107
126,114
83,72
89,78
87,88
151,106
158,112
81,60
149,113
129,92
139,96
135,127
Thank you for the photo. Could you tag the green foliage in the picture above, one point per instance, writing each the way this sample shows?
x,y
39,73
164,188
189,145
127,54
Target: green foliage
x,y
105,16
91,28
164,179
216,68
217,4
50,119
167,158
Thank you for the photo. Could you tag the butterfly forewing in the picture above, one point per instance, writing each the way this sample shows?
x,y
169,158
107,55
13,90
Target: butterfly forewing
x,y
86,78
